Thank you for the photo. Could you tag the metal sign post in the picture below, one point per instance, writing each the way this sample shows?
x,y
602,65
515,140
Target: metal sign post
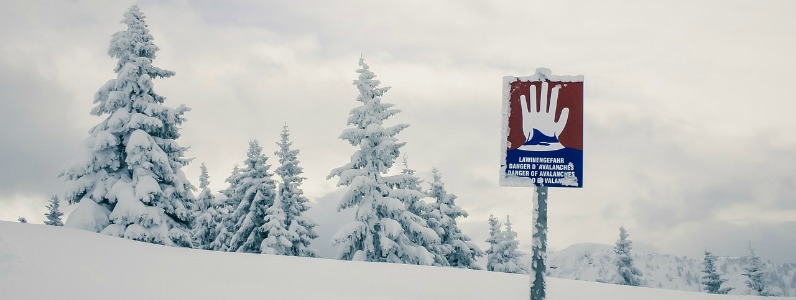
x,y
538,264
541,147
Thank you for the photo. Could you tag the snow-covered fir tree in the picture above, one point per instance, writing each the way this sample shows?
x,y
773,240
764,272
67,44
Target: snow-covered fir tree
x,y
202,201
408,181
233,179
253,190
627,273
509,253
755,274
461,252
226,227
382,226
54,213
279,240
22,219
132,185
407,188
493,254
712,281
294,203
210,212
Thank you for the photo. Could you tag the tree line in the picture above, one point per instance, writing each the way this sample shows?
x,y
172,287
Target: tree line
x,y
132,184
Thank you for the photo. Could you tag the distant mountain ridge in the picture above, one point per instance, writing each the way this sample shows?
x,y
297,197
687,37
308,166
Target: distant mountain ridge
x,y
596,262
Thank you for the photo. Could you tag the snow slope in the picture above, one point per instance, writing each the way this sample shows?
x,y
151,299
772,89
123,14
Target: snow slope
x,y
45,262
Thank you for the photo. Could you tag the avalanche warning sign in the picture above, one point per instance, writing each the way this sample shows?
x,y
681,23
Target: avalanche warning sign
x,y
542,139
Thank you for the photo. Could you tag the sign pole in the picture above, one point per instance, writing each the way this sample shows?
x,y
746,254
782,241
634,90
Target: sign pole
x,y
541,146
539,255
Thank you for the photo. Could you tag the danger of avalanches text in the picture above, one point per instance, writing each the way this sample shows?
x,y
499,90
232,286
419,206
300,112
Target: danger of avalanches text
x,y
553,169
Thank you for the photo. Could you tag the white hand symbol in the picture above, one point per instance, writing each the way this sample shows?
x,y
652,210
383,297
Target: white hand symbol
x,y
543,120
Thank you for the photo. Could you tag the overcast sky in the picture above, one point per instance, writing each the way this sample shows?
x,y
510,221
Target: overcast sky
x,y
689,107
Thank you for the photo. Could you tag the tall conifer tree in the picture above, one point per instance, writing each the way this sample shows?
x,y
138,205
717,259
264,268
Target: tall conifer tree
x,y
132,185
380,229
294,203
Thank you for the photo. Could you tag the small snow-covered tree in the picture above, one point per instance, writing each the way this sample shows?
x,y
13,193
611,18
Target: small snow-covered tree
x,y
409,181
202,201
382,226
252,191
207,223
493,254
54,213
755,274
233,179
132,185
279,240
407,188
292,198
227,224
461,251
508,249
627,273
22,219
712,281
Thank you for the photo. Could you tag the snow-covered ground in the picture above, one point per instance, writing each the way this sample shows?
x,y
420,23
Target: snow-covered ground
x,y
45,262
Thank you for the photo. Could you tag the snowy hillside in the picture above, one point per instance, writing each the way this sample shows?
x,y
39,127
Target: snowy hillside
x,y
595,262
45,262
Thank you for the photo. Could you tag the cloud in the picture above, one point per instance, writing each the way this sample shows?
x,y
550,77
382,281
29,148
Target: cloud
x,y
31,110
693,238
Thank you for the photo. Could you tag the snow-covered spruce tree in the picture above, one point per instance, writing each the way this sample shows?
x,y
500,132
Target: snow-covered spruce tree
x,y
294,203
233,179
132,185
493,254
54,213
510,253
407,180
755,274
279,240
712,281
407,188
382,225
226,227
210,211
627,273
253,191
461,251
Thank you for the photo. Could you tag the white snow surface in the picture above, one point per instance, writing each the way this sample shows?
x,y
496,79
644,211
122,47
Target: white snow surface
x,y
47,262
90,216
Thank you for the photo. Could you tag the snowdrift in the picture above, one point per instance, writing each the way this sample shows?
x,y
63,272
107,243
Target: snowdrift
x,y
45,262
